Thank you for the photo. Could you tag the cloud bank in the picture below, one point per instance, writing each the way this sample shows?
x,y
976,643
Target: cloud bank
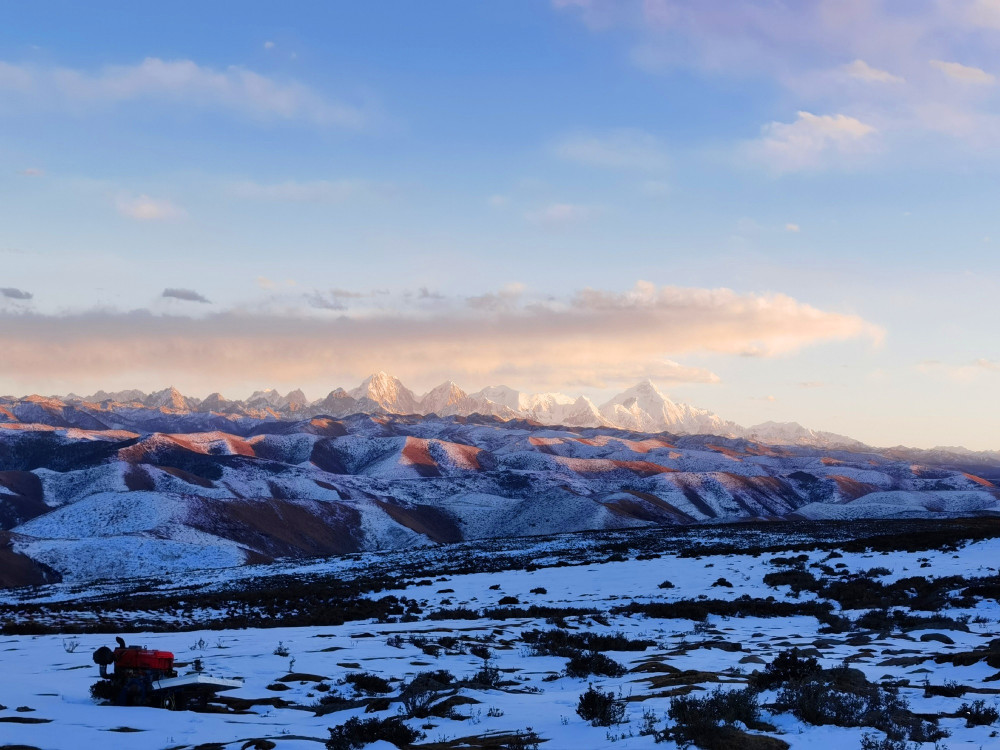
x,y
594,338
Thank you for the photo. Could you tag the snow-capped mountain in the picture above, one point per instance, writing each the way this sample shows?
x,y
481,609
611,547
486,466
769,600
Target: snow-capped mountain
x,y
386,392
645,409
792,433
641,408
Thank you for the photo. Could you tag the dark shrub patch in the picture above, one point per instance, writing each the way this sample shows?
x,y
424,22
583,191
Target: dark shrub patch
x,y
666,585
368,683
788,667
601,709
698,720
458,613
355,733
593,662
508,600
563,643
978,713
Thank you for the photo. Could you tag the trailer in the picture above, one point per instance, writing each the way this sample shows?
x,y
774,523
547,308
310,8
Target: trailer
x,y
146,677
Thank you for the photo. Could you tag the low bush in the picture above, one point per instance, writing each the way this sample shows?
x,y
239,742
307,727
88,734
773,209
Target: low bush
x,y
601,709
978,713
558,642
368,683
355,733
593,662
787,667
697,721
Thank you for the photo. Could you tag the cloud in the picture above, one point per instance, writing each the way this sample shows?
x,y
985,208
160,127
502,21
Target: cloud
x,y
12,293
561,214
268,45
868,57
188,295
595,336
32,172
498,201
178,82
620,149
792,228
964,73
862,71
144,208
315,191
811,142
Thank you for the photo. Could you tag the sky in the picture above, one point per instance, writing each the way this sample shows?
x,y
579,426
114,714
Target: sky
x,y
775,210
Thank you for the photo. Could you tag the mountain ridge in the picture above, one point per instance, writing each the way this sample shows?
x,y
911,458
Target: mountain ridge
x,y
641,408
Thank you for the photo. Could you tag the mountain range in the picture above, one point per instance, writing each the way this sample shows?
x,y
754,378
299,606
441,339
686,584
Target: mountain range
x,y
641,408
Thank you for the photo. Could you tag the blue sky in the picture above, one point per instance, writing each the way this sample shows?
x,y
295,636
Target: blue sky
x,y
776,211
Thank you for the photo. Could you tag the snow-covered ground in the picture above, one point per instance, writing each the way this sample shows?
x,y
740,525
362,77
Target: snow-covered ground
x,y
47,677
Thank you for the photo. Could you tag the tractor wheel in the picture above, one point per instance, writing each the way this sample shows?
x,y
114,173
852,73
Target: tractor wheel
x,y
173,702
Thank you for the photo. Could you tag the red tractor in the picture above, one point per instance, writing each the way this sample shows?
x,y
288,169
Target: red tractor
x,y
145,677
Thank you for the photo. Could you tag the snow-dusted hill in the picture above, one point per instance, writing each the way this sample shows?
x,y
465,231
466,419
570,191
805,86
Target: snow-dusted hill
x,y
94,490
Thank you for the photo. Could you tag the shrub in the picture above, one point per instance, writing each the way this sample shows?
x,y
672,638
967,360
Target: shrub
x,y
601,709
489,676
842,696
871,742
103,690
697,720
593,662
666,585
508,600
481,650
539,590
787,667
419,693
281,649
528,740
978,713
368,683
559,642
355,733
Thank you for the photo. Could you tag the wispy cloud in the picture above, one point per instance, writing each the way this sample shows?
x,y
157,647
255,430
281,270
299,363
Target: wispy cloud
x,y
187,295
596,337
620,149
32,172
964,73
811,141
178,82
862,71
144,208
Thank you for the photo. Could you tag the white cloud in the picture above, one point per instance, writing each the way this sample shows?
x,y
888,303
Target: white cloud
x,y
32,172
625,148
185,82
862,71
144,208
268,45
792,227
812,141
964,73
498,201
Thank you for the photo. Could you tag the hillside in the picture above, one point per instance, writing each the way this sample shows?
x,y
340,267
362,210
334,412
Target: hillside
x,y
93,492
